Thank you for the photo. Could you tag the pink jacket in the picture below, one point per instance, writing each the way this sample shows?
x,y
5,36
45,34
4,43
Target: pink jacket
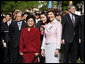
x,y
52,34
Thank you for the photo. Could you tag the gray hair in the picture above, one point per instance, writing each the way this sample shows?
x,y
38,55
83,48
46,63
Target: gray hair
x,y
69,7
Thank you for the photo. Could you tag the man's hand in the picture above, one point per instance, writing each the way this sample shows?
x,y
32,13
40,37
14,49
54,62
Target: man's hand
x,y
79,41
4,44
42,52
63,41
56,52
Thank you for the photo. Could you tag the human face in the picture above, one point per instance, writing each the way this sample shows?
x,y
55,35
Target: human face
x,y
4,20
72,10
30,22
8,17
43,18
37,16
51,16
18,16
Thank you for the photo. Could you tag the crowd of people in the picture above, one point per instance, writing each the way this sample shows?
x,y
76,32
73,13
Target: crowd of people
x,y
50,36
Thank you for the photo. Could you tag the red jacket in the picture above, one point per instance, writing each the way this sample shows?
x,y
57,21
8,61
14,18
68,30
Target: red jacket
x,y
30,40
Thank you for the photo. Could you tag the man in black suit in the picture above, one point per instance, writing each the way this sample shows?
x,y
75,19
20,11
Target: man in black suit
x,y
9,19
5,37
5,42
24,16
15,31
70,34
81,39
37,20
2,47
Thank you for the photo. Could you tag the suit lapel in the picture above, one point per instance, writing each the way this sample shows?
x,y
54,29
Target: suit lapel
x,y
69,19
22,25
7,24
75,19
16,25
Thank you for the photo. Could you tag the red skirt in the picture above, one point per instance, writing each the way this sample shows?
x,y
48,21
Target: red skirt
x,y
28,58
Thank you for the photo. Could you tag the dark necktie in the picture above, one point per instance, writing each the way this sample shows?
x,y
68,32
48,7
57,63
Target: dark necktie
x,y
73,20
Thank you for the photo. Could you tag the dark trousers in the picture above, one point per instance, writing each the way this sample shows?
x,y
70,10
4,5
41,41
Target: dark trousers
x,y
6,55
1,53
70,49
81,51
15,57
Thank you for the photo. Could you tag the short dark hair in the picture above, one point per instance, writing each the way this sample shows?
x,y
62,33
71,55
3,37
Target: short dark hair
x,y
31,16
51,10
44,13
37,13
26,13
9,15
2,17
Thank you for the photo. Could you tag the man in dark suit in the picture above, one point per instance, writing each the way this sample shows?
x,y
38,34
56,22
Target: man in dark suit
x,y
15,32
37,20
2,55
70,23
9,19
81,38
24,16
5,41
5,37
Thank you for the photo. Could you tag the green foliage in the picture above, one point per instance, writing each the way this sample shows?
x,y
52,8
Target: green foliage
x,y
7,6
54,3
44,6
65,5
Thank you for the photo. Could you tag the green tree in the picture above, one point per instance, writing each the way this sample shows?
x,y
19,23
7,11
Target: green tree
x,y
7,6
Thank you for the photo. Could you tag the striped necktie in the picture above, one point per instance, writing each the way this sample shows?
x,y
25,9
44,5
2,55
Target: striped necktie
x,y
73,20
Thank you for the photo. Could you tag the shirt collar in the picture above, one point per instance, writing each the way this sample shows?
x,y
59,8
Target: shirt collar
x,y
50,25
10,20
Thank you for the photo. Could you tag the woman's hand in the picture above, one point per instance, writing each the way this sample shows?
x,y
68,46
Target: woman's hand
x,y
56,52
21,53
36,54
43,52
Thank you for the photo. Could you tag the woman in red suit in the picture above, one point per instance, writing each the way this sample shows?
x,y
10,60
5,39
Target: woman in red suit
x,y
29,41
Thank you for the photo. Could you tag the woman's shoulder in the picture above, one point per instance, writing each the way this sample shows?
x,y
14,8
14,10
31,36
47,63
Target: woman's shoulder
x,y
58,24
24,29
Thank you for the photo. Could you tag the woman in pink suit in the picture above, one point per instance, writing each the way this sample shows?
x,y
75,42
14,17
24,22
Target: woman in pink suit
x,y
29,41
52,39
